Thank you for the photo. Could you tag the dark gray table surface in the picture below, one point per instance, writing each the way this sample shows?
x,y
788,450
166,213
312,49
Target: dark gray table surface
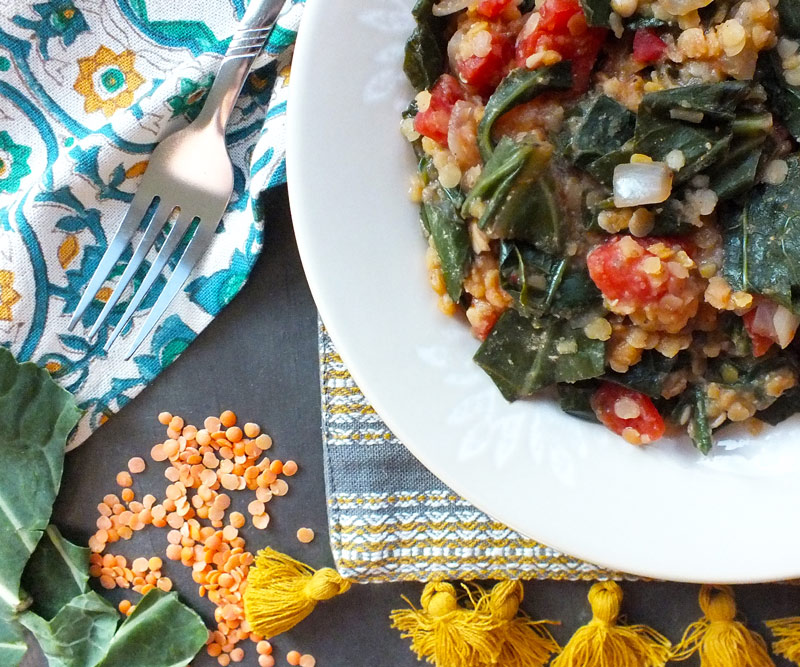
x,y
259,358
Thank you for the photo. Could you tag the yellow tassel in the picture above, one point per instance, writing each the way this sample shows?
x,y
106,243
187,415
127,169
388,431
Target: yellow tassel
x,y
522,641
443,632
489,631
282,591
721,640
604,643
787,632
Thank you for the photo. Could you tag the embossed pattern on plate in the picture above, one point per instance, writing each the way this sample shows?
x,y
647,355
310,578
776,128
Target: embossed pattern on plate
x,y
663,511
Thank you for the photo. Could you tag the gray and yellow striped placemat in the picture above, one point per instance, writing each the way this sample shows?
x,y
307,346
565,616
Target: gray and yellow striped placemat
x,y
392,520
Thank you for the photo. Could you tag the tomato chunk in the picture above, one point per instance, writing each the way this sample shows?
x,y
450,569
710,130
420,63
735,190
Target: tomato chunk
x,y
648,47
622,270
562,27
628,413
769,323
484,72
434,121
493,9
758,342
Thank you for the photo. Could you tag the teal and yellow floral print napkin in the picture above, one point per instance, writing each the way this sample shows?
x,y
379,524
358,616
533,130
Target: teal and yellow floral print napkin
x,y
87,89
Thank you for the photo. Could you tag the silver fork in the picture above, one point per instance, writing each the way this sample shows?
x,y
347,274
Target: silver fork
x,y
189,171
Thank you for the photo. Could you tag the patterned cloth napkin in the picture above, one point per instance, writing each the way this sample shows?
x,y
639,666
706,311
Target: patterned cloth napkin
x,y
87,89
391,519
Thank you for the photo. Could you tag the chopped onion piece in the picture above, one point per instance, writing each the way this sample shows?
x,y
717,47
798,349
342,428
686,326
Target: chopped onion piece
x,y
785,322
446,7
641,183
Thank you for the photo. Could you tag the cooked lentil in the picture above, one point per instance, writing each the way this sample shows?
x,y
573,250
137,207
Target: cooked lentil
x,y
604,213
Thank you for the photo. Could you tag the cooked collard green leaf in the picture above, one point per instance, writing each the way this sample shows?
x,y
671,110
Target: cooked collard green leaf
x,y
523,355
784,99
596,128
598,12
519,86
576,399
789,13
450,239
696,120
649,375
541,283
519,195
698,427
762,243
424,54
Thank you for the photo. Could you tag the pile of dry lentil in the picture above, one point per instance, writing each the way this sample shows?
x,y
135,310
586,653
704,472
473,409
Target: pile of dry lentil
x,y
203,534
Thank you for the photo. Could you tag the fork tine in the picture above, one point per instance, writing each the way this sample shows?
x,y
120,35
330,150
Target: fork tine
x,y
155,225
197,246
133,217
171,242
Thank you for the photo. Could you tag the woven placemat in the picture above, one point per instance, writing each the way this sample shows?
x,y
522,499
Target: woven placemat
x,y
391,519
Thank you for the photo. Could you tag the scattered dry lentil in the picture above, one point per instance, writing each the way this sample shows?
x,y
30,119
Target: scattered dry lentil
x,y
305,535
202,462
293,657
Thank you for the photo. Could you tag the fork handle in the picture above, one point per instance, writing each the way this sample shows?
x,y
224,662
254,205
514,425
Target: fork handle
x,y
251,34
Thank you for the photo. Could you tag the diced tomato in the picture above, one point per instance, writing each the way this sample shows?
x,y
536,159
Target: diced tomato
x,y
493,9
619,270
562,27
483,316
434,121
637,410
759,342
483,73
648,47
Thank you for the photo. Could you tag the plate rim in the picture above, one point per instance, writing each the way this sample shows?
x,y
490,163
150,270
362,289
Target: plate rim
x,y
302,60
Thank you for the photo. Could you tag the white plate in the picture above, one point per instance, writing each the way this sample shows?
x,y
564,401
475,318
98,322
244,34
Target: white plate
x,y
662,511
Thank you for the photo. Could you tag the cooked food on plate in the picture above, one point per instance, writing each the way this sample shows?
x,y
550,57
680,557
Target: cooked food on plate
x,y
611,197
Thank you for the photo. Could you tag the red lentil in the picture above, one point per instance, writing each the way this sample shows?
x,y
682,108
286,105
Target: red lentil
x,y
202,464
293,657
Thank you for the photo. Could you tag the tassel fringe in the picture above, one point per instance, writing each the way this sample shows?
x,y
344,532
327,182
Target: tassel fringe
x,y
604,643
787,634
480,628
474,629
282,591
720,640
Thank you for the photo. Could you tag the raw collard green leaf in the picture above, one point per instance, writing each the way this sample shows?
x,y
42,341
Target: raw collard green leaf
x,y
784,99
519,86
56,572
523,355
450,240
762,243
596,128
424,58
519,195
12,643
36,416
597,12
161,632
79,634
